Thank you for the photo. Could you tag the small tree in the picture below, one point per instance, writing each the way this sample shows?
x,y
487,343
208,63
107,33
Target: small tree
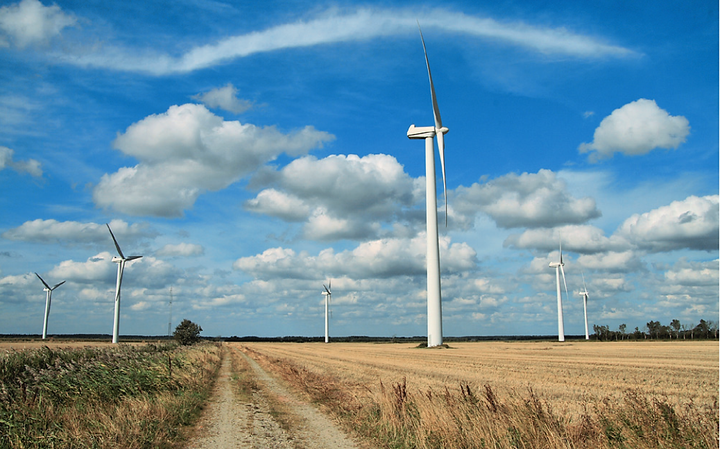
x,y
187,332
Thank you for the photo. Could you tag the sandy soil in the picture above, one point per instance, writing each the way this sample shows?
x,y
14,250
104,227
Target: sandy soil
x,y
228,422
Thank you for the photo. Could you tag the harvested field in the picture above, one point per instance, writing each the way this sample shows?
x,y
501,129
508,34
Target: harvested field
x,y
569,376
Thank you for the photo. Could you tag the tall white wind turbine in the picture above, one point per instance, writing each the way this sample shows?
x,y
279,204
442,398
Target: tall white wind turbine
x,y
434,300
559,269
48,298
327,293
121,267
584,294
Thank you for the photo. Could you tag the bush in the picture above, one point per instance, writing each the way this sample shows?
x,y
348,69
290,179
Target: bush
x,y
187,332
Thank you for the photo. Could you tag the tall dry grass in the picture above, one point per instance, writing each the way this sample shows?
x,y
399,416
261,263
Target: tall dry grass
x,y
399,415
124,396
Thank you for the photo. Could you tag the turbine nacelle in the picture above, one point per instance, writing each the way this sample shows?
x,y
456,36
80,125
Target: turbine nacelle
x,y
556,264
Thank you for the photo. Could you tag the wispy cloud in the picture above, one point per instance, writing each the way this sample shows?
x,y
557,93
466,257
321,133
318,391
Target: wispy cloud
x,y
363,24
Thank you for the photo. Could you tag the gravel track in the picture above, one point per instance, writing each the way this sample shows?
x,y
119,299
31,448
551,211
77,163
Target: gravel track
x,y
229,423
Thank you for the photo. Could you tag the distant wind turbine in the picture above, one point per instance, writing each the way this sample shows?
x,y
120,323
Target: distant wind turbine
x,y
559,269
121,267
327,295
584,294
48,298
434,300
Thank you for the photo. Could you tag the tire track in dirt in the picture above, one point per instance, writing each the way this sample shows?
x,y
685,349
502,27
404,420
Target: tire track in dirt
x,y
229,423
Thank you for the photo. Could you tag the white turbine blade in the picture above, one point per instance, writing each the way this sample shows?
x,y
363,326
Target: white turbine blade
x,y
436,110
584,286
133,258
44,283
58,285
115,240
563,274
441,148
561,252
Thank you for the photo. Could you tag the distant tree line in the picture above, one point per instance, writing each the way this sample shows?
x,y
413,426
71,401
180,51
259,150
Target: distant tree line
x,y
654,330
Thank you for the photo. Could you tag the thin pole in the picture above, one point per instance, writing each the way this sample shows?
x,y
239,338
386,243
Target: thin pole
x,y
47,312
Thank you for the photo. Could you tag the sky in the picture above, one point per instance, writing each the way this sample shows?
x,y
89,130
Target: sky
x,y
253,151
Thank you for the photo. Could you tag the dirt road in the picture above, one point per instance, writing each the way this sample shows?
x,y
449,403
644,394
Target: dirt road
x,y
229,422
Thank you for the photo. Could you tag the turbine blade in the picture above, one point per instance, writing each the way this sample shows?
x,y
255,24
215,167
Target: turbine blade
x,y
441,148
561,252
58,285
436,110
115,240
564,282
44,283
326,289
133,258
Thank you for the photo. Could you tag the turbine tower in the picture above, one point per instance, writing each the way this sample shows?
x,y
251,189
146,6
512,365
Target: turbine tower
x,y
48,298
121,267
327,294
584,294
559,269
428,133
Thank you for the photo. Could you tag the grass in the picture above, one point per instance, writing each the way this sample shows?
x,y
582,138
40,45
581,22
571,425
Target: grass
x,y
123,396
399,415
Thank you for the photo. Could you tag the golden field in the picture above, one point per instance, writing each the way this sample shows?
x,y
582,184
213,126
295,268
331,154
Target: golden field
x,y
568,376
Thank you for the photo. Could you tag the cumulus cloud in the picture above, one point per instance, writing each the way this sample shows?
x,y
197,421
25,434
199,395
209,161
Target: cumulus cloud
x,y
30,166
584,239
611,262
377,259
224,98
529,200
335,26
98,268
691,223
690,274
181,250
635,129
188,150
338,197
30,23
76,232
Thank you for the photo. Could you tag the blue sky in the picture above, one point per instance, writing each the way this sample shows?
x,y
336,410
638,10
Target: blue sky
x,y
251,151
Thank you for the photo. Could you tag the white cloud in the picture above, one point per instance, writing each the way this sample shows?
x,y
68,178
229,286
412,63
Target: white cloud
x,y
691,274
98,268
611,262
30,166
224,98
528,200
339,197
188,150
635,129
377,259
333,26
691,223
279,204
181,250
30,23
75,232
584,239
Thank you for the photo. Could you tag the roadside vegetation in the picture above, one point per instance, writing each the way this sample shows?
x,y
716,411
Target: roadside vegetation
x,y
471,416
125,396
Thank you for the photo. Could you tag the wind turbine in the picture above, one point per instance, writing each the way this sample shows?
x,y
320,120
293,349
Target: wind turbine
x,y
327,294
559,269
48,298
434,300
584,294
121,267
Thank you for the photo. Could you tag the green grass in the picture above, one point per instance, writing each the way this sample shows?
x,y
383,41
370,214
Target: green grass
x,y
124,396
